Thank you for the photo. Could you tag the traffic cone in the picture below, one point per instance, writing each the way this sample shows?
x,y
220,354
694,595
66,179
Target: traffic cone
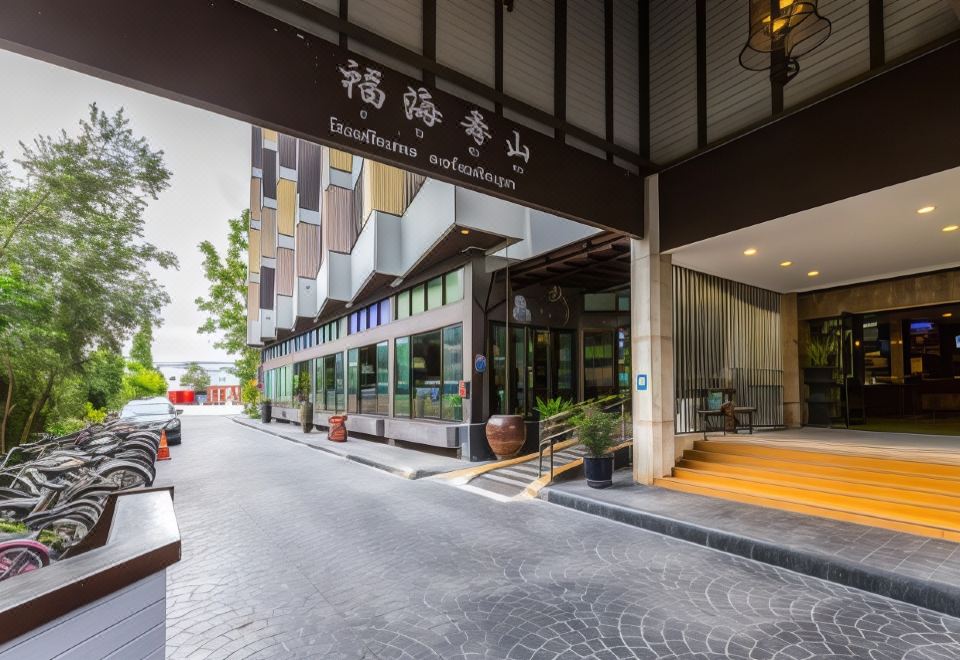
x,y
163,451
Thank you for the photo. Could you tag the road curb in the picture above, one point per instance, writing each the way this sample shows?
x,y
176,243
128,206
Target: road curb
x,y
938,596
362,460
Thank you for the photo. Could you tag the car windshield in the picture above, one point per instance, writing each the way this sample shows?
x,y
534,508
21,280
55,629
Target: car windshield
x,y
144,409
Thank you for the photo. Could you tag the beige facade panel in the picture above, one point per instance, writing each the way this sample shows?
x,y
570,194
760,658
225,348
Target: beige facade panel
x,y
285,279
270,135
341,160
253,301
255,201
384,189
337,220
308,250
286,206
253,249
268,233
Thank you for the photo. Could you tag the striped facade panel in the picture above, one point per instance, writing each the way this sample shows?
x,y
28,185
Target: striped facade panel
x,y
253,301
253,249
528,33
269,174
338,219
736,97
288,152
411,186
586,68
725,335
285,276
308,176
465,38
269,135
308,249
844,55
331,6
268,233
400,21
255,199
256,153
673,80
266,287
286,206
341,160
626,74
910,24
383,189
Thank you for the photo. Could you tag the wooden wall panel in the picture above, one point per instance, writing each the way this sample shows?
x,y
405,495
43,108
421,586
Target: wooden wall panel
x,y
285,276
586,105
308,250
253,250
253,301
400,21
270,135
270,173
256,153
268,233
286,206
626,73
909,24
528,33
341,160
673,79
465,38
338,219
288,152
255,200
384,189
266,287
309,175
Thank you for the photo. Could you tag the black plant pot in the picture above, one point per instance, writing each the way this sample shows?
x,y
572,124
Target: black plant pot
x,y
599,471
820,383
266,412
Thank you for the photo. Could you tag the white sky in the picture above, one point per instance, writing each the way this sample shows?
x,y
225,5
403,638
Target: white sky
x,y
208,154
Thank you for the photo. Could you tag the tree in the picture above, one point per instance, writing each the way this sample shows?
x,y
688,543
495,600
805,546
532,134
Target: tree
x,y
196,376
226,303
140,382
73,251
142,349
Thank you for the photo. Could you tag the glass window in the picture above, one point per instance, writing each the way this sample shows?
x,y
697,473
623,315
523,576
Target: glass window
x,y
598,364
452,405
600,302
403,305
435,293
318,385
362,320
425,372
401,386
564,384
368,386
417,300
623,301
354,319
453,283
385,311
373,316
341,329
383,378
352,379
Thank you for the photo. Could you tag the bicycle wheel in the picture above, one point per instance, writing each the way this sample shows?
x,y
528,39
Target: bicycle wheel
x,y
126,474
18,559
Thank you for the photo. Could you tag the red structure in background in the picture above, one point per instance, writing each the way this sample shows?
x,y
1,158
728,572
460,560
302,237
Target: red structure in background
x,y
221,394
186,397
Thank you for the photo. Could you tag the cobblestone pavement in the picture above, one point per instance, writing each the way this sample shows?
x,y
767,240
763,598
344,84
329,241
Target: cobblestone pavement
x,y
290,552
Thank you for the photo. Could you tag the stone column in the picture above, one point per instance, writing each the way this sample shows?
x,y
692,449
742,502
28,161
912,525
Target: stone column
x,y
790,352
651,339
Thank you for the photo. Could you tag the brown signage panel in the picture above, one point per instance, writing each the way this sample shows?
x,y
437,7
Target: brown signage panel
x,y
231,59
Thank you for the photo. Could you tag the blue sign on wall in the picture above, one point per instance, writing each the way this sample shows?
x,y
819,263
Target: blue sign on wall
x,y
480,363
641,382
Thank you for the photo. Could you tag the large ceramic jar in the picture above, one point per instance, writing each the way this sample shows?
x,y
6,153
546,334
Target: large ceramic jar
x,y
306,416
506,435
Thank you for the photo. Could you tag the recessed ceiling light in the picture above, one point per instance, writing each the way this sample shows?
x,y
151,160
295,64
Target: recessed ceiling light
x,y
947,315
926,209
951,228
784,264
464,231
750,251
813,273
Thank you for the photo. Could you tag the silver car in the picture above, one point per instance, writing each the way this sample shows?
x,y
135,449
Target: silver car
x,y
155,409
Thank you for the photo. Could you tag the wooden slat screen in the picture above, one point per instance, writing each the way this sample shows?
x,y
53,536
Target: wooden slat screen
x,y
269,135
341,160
253,300
253,250
286,206
266,287
255,200
284,272
338,219
384,189
308,250
308,176
256,154
270,173
288,152
268,233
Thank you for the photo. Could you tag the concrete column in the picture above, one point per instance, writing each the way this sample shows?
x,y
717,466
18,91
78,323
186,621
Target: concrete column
x,y
651,338
790,352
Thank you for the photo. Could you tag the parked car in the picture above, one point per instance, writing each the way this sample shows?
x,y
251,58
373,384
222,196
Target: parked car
x,y
156,409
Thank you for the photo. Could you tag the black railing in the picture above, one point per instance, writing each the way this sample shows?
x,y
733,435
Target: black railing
x,y
560,427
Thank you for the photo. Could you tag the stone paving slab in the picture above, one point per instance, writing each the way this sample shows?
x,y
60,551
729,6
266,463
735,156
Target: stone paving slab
x,y
916,569
406,463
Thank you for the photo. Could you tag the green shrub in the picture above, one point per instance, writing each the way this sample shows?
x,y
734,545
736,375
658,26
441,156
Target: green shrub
x,y
595,430
66,426
552,407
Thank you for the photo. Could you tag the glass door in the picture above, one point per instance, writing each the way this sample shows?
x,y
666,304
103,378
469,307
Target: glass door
x,y
538,366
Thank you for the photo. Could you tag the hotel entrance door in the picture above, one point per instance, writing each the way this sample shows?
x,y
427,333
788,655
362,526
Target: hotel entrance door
x,y
542,364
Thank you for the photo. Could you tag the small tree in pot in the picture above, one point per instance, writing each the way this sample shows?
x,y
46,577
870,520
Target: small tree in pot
x,y
303,396
595,430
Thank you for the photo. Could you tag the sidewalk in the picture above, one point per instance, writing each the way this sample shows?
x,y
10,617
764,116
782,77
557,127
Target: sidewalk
x,y
406,463
913,569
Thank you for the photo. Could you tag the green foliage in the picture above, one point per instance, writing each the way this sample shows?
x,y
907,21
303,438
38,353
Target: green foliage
x,y
103,376
226,302
250,396
595,430
142,348
552,407
820,350
7,527
66,426
140,382
94,415
74,265
301,386
197,377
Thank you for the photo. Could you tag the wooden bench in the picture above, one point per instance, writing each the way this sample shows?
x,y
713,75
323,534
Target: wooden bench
x,y
710,415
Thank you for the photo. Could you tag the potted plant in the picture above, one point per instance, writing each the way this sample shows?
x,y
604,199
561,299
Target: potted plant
x,y
266,411
303,396
819,378
453,407
595,430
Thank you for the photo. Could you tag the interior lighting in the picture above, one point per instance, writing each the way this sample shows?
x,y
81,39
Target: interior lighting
x,y
465,232
923,210
788,29
750,251
813,273
784,264
951,228
947,315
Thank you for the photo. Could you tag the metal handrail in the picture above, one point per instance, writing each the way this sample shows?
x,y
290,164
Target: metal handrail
x,y
549,435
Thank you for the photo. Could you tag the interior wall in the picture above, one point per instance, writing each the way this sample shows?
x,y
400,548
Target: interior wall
x,y
899,293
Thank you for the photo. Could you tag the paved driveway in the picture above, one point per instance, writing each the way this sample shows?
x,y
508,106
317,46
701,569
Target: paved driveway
x,y
290,552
